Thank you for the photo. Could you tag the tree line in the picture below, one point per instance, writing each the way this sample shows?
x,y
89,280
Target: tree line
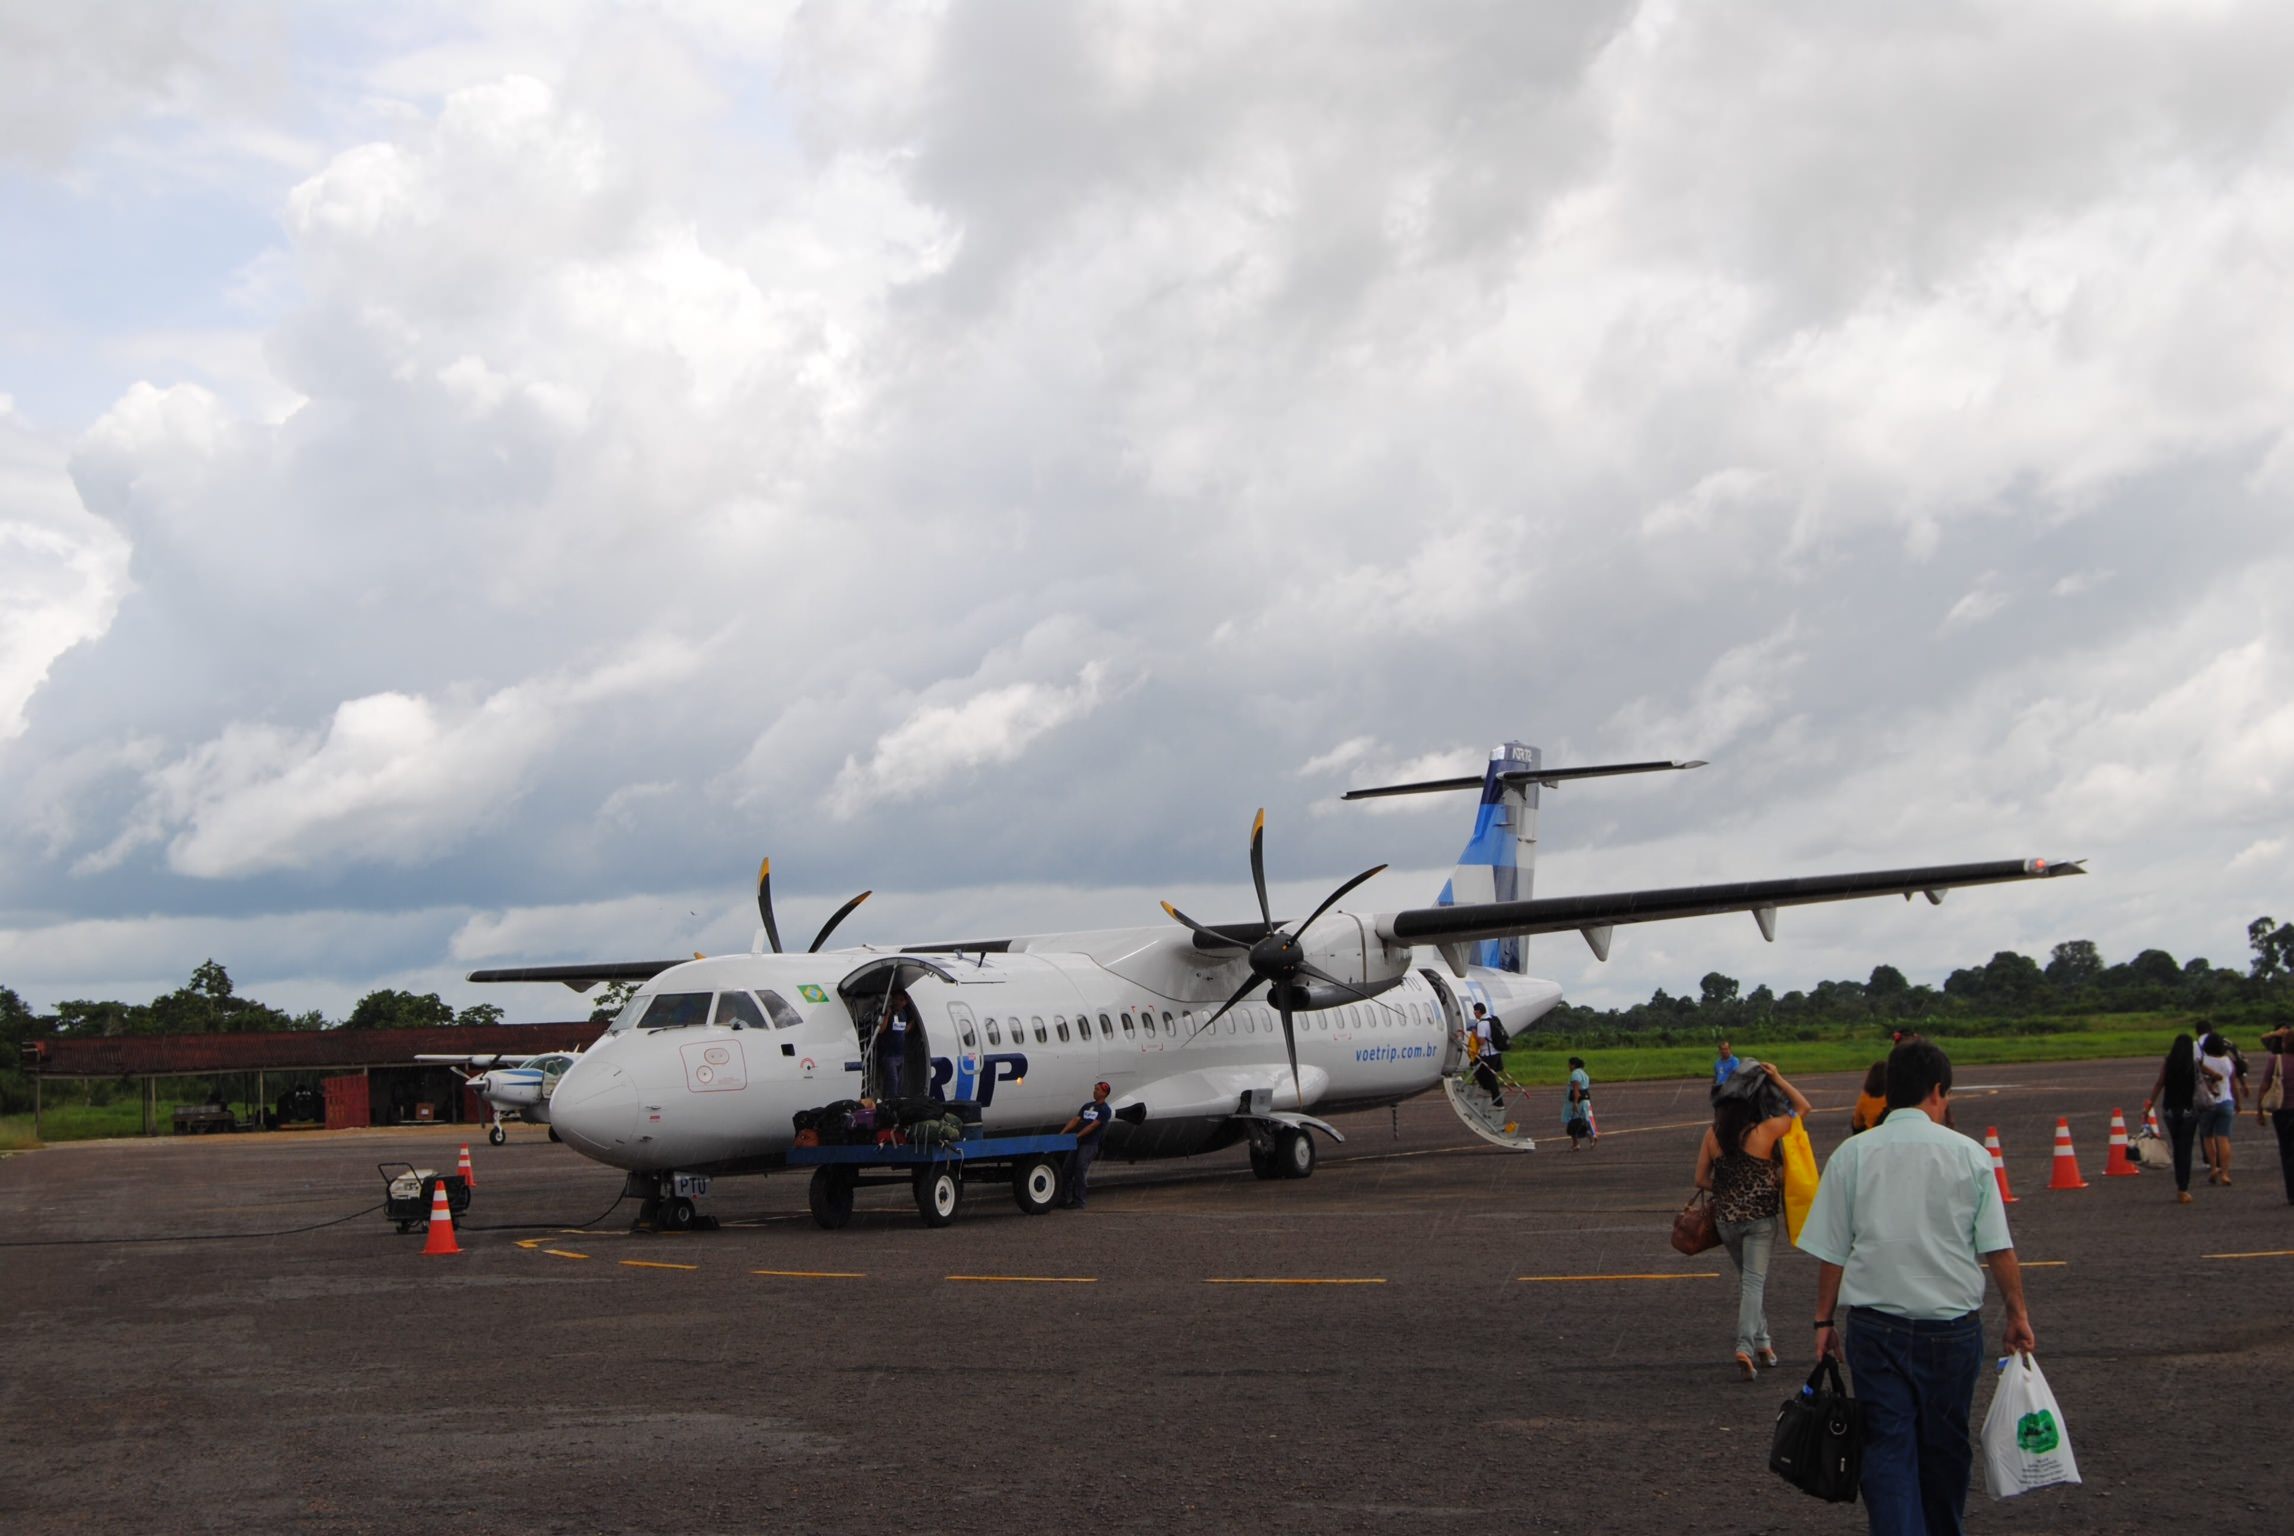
x,y
2010,986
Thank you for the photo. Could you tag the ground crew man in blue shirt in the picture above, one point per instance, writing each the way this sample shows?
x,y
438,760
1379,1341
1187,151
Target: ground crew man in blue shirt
x,y
1088,1125
1906,1219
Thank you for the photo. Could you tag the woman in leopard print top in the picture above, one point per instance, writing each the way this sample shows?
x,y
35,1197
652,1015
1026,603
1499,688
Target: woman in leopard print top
x,y
1738,1163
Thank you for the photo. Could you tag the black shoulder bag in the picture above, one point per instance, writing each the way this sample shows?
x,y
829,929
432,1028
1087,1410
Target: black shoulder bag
x,y
1819,1443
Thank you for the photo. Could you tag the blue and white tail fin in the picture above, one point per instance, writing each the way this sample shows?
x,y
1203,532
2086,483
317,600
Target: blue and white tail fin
x,y
1500,860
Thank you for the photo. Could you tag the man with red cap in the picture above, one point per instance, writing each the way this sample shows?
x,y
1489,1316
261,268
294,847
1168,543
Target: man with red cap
x,y
1087,1126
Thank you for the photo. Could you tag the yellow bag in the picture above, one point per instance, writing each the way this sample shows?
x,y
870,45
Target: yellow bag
x,y
1800,1177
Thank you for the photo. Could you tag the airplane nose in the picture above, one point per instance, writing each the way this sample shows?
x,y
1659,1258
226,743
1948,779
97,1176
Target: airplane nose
x,y
595,1110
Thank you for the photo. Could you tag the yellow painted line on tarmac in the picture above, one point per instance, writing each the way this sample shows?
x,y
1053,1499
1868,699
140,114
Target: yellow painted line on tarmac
x,y
650,1264
1692,1274
1028,1279
2044,1264
812,1274
529,1243
564,1253
2267,1253
1288,1280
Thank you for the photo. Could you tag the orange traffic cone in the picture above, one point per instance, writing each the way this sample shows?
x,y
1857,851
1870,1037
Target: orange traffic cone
x,y
1998,1163
2119,1165
441,1239
469,1178
2066,1174
2151,1120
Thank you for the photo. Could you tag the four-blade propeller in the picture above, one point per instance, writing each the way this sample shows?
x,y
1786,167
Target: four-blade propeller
x,y
1277,960
773,929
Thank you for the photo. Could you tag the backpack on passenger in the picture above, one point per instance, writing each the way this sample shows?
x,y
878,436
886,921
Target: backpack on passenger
x,y
1500,1036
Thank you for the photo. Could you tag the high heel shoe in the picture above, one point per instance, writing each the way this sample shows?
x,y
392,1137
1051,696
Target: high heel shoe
x,y
1766,1359
1744,1369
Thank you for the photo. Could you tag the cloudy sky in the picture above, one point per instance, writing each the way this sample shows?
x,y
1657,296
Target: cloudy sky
x,y
475,476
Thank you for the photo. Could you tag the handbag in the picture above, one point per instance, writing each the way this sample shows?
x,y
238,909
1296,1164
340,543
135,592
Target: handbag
x,y
1694,1229
1818,1446
2274,1096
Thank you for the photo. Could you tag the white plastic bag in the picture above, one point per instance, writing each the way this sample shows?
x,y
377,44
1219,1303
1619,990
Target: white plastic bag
x,y
2025,1442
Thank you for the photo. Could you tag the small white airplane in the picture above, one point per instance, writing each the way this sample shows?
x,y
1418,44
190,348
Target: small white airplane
x,y
1209,1035
516,1087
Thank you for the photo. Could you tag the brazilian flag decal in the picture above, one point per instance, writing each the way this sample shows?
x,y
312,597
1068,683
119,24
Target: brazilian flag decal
x,y
812,994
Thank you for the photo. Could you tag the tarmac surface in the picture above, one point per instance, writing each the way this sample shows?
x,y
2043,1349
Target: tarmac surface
x,y
1430,1333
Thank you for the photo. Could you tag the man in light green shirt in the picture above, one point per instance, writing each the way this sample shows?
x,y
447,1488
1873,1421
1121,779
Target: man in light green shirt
x,y
1905,1220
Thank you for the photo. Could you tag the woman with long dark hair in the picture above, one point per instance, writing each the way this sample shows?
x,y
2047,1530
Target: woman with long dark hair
x,y
2175,1096
2279,1116
1738,1162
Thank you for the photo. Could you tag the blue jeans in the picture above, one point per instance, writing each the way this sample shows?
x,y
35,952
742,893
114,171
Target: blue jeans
x,y
1078,1174
1916,1381
1750,1243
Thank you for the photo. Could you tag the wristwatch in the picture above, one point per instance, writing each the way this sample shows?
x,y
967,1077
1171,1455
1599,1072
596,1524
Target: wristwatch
x,y
1825,1322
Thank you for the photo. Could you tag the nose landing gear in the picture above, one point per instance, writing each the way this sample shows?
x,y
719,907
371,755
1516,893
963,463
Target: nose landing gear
x,y
668,1202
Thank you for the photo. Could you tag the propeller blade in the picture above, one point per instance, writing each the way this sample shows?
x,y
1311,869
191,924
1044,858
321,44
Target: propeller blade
x,y
765,903
1331,900
1258,865
1241,992
1309,968
1290,1044
1208,933
829,927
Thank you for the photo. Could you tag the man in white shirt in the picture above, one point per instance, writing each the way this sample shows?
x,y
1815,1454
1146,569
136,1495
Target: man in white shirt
x,y
1488,1059
2216,1103
1906,1218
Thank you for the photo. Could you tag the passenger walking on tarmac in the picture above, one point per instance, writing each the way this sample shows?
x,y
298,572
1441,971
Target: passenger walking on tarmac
x,y
1489,1060
2175,1097
1739,1163
1724,1063
1871,1100
2274,1104
1087,1126
2218,1104
1577,1114
1905,1221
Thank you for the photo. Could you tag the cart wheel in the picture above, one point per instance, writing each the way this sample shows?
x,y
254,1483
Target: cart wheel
x,y
831,1199
405,1227
938,1193
1035,1185
677,1215
497,1135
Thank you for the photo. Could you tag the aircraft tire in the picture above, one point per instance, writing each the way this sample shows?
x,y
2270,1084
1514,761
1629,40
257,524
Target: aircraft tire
x,y
1263,1163
830,1198
677,1215
939,1194
497,1135
1035,1185
1294,1153
554,1136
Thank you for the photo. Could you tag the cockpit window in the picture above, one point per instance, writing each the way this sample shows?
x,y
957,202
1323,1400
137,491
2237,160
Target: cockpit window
x,y
554,1066
738,1010
784,1016
676,1010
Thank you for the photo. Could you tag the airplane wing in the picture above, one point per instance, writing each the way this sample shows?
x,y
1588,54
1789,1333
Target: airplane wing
x,y
1451,928
481,1060
581,977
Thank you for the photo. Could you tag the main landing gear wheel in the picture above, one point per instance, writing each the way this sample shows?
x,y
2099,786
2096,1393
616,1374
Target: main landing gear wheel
x,y
938,1193
497,1135
1294,1154
554,1136
677,1214
1035,1185
1263,1162
830,1196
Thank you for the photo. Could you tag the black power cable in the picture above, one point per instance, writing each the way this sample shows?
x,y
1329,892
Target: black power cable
x,y
332,1221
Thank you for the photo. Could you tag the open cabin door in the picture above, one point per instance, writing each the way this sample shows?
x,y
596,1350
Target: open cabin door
x,y
1505,1125
895,1053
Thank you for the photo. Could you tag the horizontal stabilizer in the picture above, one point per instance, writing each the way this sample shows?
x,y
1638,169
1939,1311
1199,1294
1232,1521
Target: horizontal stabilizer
x,y
1548,777
580,977
1556,914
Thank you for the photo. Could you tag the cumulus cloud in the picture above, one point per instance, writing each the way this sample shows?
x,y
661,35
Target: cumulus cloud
x,y
1006,417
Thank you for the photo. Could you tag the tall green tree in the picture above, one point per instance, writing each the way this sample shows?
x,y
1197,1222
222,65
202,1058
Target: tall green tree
x,y
2273,946
2074,963
387,1008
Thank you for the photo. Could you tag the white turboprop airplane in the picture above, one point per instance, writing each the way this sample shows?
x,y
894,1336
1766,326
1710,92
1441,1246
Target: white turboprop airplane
x,y
517,1087
1209,1035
